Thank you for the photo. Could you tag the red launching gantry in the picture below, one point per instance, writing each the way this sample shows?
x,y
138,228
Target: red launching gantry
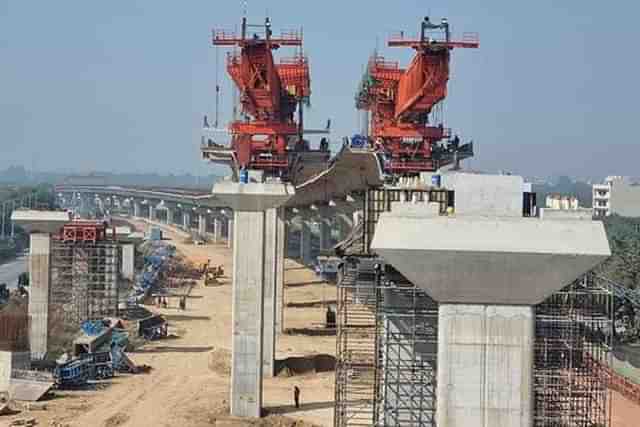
x,y
401,101
268,135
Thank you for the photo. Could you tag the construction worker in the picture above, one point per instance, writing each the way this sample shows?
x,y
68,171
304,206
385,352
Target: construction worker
x,y
296,396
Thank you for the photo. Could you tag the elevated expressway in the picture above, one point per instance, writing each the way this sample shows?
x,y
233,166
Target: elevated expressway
x,y
319,215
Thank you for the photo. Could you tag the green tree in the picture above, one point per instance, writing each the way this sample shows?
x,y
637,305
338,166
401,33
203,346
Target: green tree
x,y
624,239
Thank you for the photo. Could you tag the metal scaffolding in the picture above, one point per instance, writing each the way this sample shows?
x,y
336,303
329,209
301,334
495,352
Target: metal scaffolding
x,y
387,348
356,344
407,334
574,329
388,329
84,281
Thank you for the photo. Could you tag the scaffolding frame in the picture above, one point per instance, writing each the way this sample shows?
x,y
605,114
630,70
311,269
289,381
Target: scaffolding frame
x,y
407,336
386,347
356,345
574,331
573,335
84,280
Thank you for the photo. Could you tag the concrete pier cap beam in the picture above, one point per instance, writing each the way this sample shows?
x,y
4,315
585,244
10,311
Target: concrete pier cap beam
x,y
253,196
48,222
480,260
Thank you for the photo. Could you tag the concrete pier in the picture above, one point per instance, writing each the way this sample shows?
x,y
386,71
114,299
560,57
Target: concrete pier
x,y
217,230
281,236
324,225
230,231
270,292
186,220
305,241
136,209
170,216
487,274
152,213
254,244
485,365
202,224
39,293
128,261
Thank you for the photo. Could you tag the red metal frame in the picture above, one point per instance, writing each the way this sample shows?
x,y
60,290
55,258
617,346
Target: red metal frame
x,y
84,231
401,100
270,92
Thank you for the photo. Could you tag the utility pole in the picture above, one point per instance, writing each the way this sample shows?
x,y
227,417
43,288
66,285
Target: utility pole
x,y
13,226
4,216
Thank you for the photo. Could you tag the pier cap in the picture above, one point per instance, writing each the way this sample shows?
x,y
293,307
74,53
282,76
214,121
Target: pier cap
x,y
480,260
33,221
253,196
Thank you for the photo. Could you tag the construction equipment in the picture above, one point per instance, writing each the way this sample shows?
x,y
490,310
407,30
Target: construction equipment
x,y
404,103
268,137
212,274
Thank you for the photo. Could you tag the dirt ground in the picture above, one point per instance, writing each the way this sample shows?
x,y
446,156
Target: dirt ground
x,y
182,389
624,412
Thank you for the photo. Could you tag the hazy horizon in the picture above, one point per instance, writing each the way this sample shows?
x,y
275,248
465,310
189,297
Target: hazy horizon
x,y
122,87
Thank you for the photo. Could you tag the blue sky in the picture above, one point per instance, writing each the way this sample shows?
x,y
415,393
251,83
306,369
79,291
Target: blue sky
x,y
122,85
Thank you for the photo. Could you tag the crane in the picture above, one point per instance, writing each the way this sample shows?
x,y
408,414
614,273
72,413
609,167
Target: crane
x,y
401,102
268,136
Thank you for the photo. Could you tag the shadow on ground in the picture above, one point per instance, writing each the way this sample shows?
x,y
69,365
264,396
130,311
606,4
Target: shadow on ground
x,y
288,409
316,363
171,349
184,317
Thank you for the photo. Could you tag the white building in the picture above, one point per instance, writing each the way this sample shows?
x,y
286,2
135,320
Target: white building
x,y
561,202
615,196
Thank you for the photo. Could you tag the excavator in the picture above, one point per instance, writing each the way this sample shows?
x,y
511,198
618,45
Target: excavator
x,y
404,103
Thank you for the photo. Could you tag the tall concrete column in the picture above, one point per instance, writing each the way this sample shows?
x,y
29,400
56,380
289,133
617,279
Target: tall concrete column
x,y
170,214
485,365
39,293
152,213
305,241
186,220
248,283
202,224
253,247
324,225
270,289
128,261
217,230
230,233
281,240
136,209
